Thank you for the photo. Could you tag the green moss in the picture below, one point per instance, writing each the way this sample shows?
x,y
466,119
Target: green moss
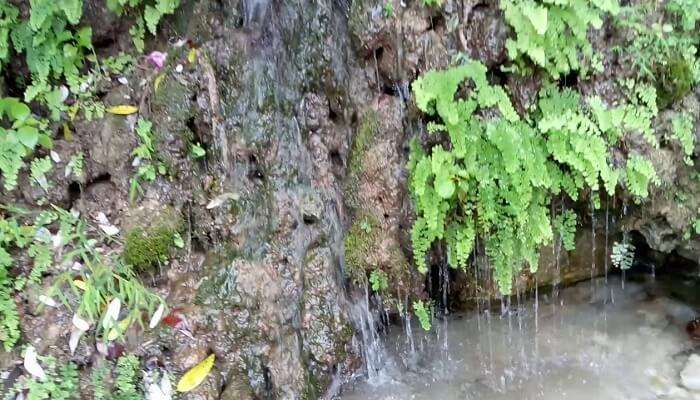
x,y
145,248
674,81
359,245
366,132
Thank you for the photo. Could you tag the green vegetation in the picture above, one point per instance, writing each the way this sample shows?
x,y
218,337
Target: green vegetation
x,y
60,238
553,33
565,226
61,382
359,243
683,131
424,313
20,134
497,178
622,255
388,9
378,280
145,248
663,45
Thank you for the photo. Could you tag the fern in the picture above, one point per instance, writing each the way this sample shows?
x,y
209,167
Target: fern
x,y
499,173
61,383
553,33
683,130
622,255
424,314
640,173
127,379
565,225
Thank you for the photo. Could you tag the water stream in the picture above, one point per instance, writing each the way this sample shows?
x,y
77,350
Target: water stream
x,y
580,345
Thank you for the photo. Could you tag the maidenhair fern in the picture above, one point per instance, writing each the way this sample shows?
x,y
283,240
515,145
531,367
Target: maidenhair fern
x,y
497,176
553,33
683,130
622,255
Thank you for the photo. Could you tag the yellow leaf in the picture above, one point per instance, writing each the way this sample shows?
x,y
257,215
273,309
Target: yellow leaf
x,y
123,109
195,375
192,56
113,334
80,284
67,133
157,82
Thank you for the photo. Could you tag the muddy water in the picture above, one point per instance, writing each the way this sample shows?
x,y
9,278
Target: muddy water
x,y
613,343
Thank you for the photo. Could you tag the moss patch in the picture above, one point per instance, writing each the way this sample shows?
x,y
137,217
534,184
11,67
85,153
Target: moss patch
x,y
360,243
369,125
674,81
145,248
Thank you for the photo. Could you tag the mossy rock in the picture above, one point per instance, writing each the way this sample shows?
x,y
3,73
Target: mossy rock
x,y
366,132
359,245
144,249
150,236
675,79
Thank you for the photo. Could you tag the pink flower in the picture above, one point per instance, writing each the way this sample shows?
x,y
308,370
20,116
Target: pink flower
x,y
157,59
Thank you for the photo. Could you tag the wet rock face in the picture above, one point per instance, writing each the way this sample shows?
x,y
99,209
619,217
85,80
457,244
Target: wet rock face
x,y
485,35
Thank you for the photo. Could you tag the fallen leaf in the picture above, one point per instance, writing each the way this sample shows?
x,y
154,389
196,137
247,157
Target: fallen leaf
x,y
124,109
157,82
31,364
155,319
55,157
80,284
102,218
172,319
74,339
196,375
109,230
80,323
192,56
46,300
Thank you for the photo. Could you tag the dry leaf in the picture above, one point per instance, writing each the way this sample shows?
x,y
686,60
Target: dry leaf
x,y
123,109
80,323
74,339
46,300
196,375
80,284
155,319
31,364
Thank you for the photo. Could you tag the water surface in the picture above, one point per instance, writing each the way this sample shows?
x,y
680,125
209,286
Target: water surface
x,y
593,341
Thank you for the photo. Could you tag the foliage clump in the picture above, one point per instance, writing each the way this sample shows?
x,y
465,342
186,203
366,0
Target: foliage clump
x,y
359,244
145,248
499,173
61,382
553,33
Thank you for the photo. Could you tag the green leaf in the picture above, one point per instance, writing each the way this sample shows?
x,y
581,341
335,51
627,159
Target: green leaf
x,y
28,136
73,9
538,17
152,16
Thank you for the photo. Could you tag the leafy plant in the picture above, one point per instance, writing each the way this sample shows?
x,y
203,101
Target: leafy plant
x,y
565,225
126,384
622,255
19,136
683,130
61,382
553,33
379,280
499,173
662,45
197,151
424,313
388,9
144,154
148,17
